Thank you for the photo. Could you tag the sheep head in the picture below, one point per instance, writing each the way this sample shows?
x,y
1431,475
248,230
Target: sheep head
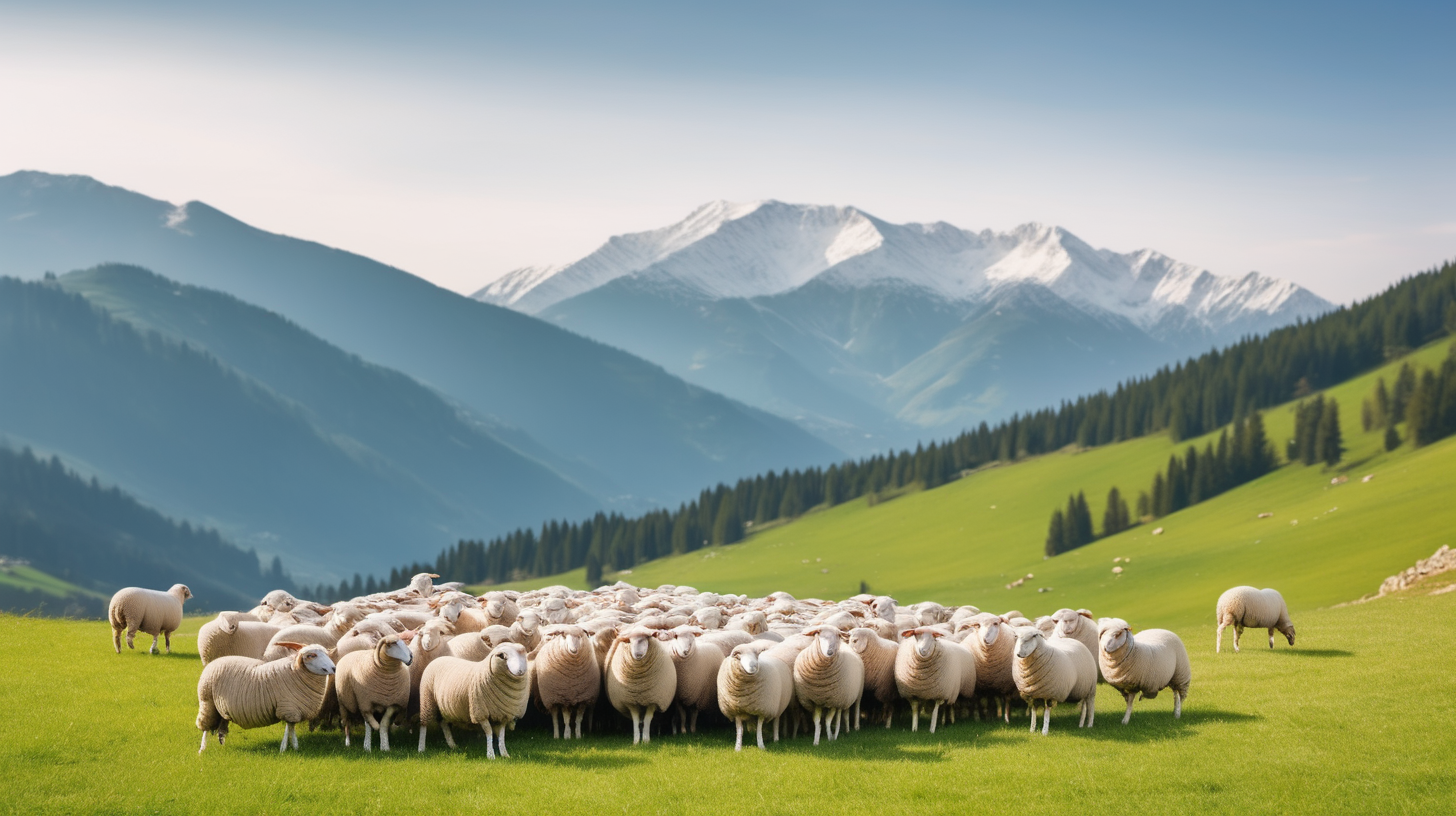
x,y
180,591
512,656
1288,632
884,606
312,658
395,646
747,658
924,639
1113,634
826,639
1028,639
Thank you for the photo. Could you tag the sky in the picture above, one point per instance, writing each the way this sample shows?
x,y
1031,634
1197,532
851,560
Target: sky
x,y
1313,142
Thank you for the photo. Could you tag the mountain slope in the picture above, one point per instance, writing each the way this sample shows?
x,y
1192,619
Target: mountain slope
x,y
597,409
863,309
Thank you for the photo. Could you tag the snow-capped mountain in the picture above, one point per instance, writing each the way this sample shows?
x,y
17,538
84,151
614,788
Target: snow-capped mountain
x,y
766,248
869,332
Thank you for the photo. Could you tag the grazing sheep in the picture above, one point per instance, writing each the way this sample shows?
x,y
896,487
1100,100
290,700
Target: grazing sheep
x,y
345,616
493,694
1079,625
1054,670
641,679
231,634
374,683
697,665
1149,663
146,610
927,671
878,657
753,685
254,694
1245,607
993,649
566,678
828,680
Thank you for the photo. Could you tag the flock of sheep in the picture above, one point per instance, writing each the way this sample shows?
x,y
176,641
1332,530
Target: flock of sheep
x,y
435,656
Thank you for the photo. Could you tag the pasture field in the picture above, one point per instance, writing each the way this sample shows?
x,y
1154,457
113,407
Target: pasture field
x,y
1356,719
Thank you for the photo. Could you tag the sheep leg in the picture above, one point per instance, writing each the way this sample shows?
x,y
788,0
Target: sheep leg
x,y
1092,707
1238,635
1178,705
647,724
168,637
695,721
1128,715
293,734
489,740
116,639
283,746
1030,704
857,713
818,713
1271,638
500,739
449,737
738,725
914,715
580,712
934,712
1046,720
131,638
832,729
369,720
777,720
204,743
368,735
385,723
636,723
423,729
555,728
345,725
760,734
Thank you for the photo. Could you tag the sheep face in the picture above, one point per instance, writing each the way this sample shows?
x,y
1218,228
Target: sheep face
x,y
747,658
1113,635
884,607
1028,639
924,640
432,635
684,644
990,632
512,656
315,660
423,584
495,608
859,639
180,590
828,641
1289,633
639,642
398,649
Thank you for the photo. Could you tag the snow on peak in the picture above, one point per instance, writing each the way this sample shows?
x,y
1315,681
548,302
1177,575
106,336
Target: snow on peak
x,y
724,249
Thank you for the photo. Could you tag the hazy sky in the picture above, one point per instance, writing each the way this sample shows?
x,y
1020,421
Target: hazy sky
x,y
1316,143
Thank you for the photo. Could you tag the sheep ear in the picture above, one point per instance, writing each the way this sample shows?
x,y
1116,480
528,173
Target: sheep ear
x,y
1086,613
407,635
290,645
935,633
909,633
432,575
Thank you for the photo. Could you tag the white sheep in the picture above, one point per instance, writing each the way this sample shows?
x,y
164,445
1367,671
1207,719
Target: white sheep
x,y
374,685
641,679
753,685
566,678
1079,625
878,657
430,642
1052,671
992,645
1245,607
252,694
344,616
929,672
232,634
493,694
697,665
828,680
156,613
1148,663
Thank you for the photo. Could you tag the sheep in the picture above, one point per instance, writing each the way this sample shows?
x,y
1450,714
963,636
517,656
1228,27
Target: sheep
x,y
499,609
345,616
753,685
254,694
377,681
1244,606
229,634
566,678
928,672
476,646
366,634
641,679
430,642
1054,670
492,694
279,600
526,630
877,654
1079,625
1149,663
696,664
422,584
993,650
828,679
146,610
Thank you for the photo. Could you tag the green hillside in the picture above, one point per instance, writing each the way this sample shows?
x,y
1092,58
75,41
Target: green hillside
x,y
963,542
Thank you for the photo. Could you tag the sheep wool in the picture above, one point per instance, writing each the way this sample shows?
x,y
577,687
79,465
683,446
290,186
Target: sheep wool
x,y
929,672
1245,607
430,642
641,679
1052,671
753,685
696,664
493,694
992,645
374,686
156,613
230,634
252,694
877,654
343,618
566,678
1079,625
1153,660
828,680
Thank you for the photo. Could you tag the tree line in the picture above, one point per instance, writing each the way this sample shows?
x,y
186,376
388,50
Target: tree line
x,y
1185,400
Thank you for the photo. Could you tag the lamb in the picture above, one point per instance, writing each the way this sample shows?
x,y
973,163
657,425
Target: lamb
x,y
566,678
377,682
1079,625
828,679
1244,606
641,679
878,657
1054,670
993,650
697,665
146,610
1149,663
928,672
344,617
230,634
753,685
492,694
254,694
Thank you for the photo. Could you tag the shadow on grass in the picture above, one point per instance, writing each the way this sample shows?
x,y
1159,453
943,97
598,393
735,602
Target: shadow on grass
x,y
1296,653
1156,726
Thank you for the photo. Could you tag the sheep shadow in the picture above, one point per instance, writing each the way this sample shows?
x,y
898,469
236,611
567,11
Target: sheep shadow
x,y
1157,726
1322,653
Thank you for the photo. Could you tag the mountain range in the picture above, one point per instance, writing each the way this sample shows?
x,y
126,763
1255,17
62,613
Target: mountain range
x,y
871,333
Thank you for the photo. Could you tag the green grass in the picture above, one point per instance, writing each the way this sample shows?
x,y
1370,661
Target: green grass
x,y
30,578
1357,719
963,542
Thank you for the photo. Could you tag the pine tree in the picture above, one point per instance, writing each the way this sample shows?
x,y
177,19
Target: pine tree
x,y
593,569
1056,534
1420,413
1084,520
1329,445
1114,518
727,527
1392,437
